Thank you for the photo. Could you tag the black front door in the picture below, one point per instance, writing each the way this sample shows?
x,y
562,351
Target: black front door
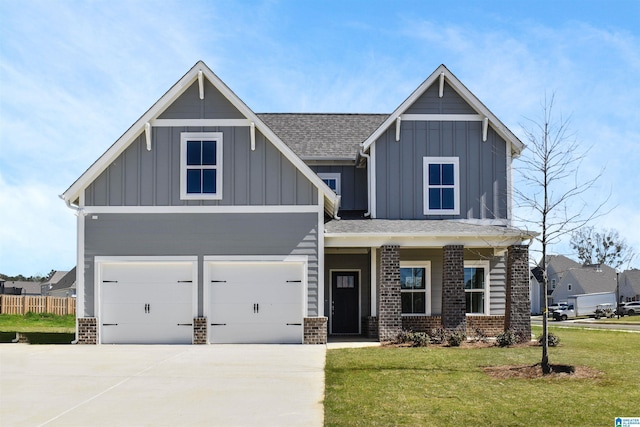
x,y
345,312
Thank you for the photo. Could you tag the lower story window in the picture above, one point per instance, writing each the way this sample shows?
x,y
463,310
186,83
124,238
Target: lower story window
x,y
476,287
415,287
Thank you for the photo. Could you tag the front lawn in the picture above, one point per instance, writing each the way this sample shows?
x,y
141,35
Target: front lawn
x,y
622,320
37,322
383,386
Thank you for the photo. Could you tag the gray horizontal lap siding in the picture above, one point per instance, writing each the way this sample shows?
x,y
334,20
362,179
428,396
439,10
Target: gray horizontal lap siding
x,y
399,169
200,235
139,177
353,185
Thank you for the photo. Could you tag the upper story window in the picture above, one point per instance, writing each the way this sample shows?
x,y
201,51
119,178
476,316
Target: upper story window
x,y
332,180
441,186
201,165
476,287
415,288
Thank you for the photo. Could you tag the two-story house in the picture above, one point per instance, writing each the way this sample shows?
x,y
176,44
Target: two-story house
x,y
208,223
568,277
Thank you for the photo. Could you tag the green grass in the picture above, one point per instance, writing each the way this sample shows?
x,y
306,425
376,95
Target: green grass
x,y
447,387
37,322
622,320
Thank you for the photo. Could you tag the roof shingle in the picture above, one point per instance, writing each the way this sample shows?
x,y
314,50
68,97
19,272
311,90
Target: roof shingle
x,y
323,136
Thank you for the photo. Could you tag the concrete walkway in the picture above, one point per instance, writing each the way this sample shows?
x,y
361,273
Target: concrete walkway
x,y
213,385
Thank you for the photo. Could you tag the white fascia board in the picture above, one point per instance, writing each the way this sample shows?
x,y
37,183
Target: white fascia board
x,y
413,241
176,90
200,122
465,93
258,209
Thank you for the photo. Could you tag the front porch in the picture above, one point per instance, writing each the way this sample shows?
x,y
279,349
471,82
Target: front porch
x,y
476,290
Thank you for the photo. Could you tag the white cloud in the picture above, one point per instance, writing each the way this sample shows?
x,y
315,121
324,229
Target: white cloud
x,y
37,230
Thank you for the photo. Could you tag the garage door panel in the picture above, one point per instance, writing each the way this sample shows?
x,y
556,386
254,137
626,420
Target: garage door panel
x,y
146,313
145,333
147,293
256,333
147,302
266,313
256,302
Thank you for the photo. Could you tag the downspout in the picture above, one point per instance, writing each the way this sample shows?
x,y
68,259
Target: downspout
x,y
368,157
79,211
336,208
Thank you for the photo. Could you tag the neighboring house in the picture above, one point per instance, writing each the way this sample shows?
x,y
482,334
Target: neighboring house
x,y
65,286
630,285
48,284
20,288
536,290
567,277
208,223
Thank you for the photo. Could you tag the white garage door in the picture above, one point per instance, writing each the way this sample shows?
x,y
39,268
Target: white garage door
x,y
146,303
255,302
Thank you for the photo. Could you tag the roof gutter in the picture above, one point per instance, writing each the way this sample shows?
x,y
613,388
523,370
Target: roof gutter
x,y
79,210
368,157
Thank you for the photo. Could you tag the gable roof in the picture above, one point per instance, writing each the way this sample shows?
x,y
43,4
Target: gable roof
x,y
67,281
461,89
589,278
323,136
72,193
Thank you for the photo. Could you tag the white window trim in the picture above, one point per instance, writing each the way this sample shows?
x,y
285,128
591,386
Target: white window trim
x,y
487,285
456,187
332,175
200,136
427,285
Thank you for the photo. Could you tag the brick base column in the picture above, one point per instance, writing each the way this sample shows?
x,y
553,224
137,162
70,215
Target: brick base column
x,y
518,304
315,330
87,330
200,330
389,300
370,327
453,298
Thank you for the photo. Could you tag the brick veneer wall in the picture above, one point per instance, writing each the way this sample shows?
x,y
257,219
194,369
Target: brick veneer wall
x,y
200,330
315,330
453,298
389,301
421,323
518,304
370,326
490,326
87,330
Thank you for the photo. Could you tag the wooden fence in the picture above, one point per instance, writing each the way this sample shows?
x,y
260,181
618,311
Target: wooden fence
x,y
22,304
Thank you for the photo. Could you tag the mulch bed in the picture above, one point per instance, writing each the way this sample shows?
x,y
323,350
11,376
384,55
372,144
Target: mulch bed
x,y
535,371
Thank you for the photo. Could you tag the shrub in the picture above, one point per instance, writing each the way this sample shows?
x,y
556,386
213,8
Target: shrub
x,y
438,335
456,338
416,339
507,338
552,339
479,335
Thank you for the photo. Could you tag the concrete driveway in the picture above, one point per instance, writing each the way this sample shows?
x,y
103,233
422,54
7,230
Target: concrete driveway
x,y
157,385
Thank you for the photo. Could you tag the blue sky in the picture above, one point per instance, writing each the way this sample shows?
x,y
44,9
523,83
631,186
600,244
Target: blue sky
x,y
75,75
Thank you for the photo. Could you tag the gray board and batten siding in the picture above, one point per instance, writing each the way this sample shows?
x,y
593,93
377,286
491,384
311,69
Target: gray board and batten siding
x,y
152,178
139,177
353,185
202,234
399,164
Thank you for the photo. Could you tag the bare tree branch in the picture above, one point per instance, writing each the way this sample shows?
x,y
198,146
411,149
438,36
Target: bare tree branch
x,y
553,190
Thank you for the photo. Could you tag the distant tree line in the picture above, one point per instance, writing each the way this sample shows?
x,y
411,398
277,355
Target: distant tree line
x,y
21,278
